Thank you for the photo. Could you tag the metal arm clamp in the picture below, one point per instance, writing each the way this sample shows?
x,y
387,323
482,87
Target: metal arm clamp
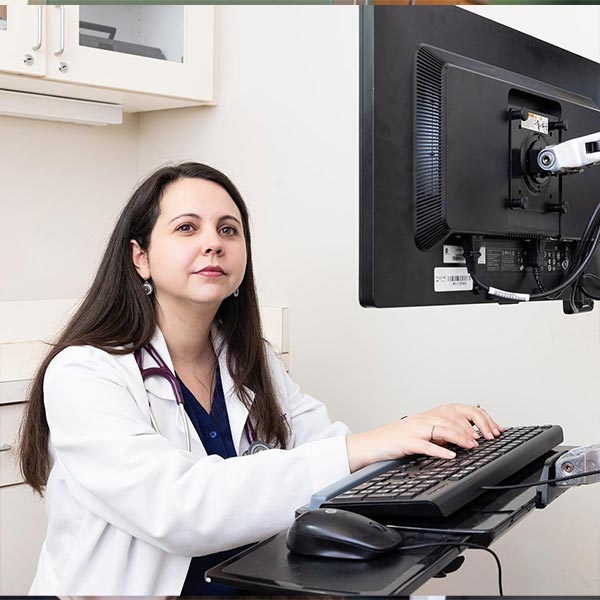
x,y
571,156
578,460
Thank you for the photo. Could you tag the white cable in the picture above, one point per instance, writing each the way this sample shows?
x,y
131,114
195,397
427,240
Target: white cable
x,y
508,295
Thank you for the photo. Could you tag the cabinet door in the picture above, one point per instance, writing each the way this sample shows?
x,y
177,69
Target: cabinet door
x,y
22,46
154,49
23,527
10,417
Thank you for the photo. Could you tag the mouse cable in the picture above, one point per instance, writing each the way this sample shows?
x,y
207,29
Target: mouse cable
x,y
542,482
463,545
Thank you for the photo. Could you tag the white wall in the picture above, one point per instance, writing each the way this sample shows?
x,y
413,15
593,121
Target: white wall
x,y
62,186
286,130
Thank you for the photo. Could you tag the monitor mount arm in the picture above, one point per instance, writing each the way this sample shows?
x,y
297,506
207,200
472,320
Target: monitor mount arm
x,y
572,156
582,459
571,467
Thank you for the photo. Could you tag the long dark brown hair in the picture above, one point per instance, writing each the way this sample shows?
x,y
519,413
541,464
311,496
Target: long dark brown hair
x,y
116,313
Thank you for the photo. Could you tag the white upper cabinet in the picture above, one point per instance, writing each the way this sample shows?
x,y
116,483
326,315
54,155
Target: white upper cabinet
x,y
141,56
21,38
153,49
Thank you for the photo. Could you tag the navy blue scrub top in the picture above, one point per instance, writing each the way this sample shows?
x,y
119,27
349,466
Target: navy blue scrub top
x,y
215,434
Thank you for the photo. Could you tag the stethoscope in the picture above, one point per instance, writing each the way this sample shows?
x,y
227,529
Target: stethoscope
x,y
163,370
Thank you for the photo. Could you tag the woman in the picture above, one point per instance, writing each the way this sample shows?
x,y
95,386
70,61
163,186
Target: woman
x,y
142,498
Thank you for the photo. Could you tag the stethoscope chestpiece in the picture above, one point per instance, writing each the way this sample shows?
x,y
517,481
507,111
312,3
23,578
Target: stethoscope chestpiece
x,y
256,447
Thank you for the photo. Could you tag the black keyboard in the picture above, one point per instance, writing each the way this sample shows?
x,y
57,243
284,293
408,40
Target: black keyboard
x,y
435,488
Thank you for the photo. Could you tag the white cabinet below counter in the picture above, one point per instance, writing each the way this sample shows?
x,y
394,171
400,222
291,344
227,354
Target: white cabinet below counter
x,y
143,57
23,524
10,420
22,512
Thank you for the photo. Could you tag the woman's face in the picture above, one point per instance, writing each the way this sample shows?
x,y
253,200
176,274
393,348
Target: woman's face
x,y
197,248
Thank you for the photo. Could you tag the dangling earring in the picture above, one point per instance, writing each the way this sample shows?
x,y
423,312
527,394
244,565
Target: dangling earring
x,y
236,293
147,287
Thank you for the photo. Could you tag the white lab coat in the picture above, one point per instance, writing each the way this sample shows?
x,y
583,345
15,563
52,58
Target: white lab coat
x,y
128,507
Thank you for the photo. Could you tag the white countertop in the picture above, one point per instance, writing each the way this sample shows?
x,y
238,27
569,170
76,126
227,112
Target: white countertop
x,y
14,391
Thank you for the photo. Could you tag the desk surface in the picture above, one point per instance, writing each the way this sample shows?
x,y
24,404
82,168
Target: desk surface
x,y
270,567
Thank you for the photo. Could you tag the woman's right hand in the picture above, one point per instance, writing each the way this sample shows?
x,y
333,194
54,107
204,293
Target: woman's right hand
x,y
423,433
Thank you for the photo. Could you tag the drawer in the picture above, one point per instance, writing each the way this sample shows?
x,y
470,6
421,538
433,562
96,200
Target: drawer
x,y
10,420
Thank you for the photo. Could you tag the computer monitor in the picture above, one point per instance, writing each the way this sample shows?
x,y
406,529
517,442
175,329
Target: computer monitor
x,y
455,109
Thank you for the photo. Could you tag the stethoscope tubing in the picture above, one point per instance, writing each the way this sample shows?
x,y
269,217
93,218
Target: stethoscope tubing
x,y
163,371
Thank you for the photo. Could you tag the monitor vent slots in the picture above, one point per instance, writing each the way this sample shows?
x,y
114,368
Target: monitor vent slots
x,y
430,225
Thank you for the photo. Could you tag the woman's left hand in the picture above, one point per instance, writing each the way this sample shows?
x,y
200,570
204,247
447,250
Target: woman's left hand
x,y
462,416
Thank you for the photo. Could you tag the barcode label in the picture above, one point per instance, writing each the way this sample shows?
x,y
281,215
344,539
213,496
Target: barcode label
x,y
452,279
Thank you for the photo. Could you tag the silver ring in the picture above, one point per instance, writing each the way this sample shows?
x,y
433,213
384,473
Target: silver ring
x,y
478,406
431,436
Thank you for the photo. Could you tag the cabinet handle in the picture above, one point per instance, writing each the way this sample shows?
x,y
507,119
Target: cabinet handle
x,y
62,30
5,447
40,30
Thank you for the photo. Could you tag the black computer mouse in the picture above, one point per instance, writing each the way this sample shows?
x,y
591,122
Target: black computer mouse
x,y
333,533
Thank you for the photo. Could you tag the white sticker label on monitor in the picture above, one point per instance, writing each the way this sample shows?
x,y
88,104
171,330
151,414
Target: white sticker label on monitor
x,y
454,255
535,123
452,279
